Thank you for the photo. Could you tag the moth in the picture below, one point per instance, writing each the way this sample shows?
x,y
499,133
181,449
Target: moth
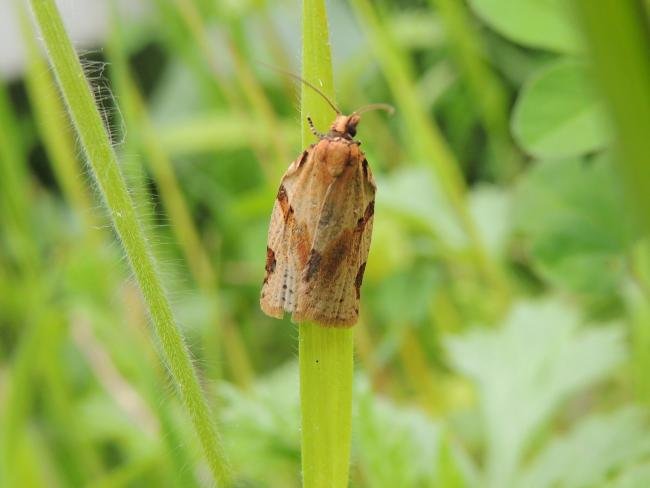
x,y
320,229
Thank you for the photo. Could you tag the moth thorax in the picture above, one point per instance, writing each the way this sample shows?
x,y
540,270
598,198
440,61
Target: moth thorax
x,y
345,125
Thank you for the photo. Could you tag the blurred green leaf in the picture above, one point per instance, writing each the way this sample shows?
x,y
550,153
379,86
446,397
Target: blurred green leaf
x,y
217,132
633,477
407,295
524,370
392,248
572,211
544,24
261,427
416,29
558,114
413,193
490,206
595,448
396,446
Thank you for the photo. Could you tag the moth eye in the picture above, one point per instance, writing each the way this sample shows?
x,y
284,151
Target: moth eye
x,y
352,130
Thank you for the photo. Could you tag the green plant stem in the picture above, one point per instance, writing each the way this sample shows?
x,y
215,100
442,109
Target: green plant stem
x,y
161,167
103,165
325,354
326,405
638,308
316,68
618,38
186,233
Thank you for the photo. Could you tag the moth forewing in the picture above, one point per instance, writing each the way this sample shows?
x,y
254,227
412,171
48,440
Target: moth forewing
x,y
330,283
320,232
283,263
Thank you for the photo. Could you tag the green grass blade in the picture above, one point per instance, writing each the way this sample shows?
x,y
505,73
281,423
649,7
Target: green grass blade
x,y
14,196
185,231
110,182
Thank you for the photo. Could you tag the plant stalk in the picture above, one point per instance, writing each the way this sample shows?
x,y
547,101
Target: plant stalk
x,y
325,354
110,182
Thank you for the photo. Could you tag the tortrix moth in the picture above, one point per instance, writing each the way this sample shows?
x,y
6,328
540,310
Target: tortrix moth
x,y
320,229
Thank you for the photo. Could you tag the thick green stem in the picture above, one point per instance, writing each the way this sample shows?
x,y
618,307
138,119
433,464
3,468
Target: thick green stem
x,y
325,353
326,404
103,165
618,38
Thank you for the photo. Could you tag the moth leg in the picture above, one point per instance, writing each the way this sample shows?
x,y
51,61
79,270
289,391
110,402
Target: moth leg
x,y
320,135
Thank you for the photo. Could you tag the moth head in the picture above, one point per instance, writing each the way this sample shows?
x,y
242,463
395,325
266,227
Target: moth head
x,y
345,125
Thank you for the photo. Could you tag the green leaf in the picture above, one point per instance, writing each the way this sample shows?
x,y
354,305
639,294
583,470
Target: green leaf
x,y
573,213
524,370
558,114
611,441
413,193
632,477
396,446
263,425
491,208
544,24
407,296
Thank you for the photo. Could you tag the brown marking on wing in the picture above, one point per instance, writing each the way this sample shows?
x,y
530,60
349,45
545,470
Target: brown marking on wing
x,y
302,243
336,254
303,156
370,210
283,201
270,264
282,196
359,279
313,264
329,291
367,215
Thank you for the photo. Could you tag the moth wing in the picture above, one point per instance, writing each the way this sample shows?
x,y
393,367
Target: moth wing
x,y
289,237
329,289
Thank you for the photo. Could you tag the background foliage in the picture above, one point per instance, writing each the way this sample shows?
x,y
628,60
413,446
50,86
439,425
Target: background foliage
x,y
505,331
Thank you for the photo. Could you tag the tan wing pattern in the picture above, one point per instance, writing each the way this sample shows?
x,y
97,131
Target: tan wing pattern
x,y
330,284
319,236
293,222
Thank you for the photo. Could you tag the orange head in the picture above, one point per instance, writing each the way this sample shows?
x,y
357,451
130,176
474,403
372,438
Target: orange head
x,y
345,126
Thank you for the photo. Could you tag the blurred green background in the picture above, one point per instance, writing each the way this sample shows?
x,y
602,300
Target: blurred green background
x,y
505,331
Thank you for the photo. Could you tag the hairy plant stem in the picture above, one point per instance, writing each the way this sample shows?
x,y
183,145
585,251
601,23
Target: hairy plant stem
x,y
103,165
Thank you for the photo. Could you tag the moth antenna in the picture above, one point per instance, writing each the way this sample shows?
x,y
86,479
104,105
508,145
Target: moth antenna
x,y
313,129
375,106
302,80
